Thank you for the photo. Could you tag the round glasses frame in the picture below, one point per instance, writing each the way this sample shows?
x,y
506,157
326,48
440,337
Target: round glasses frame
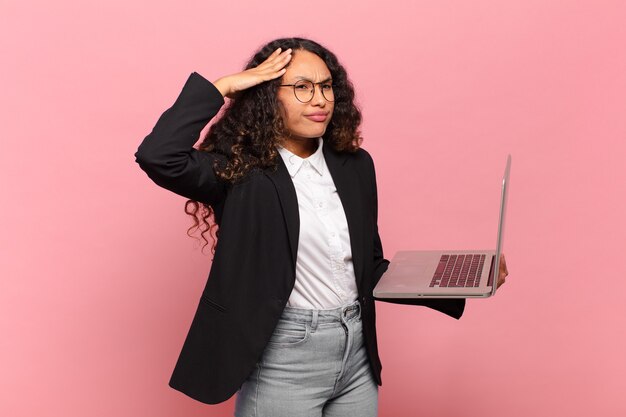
x,y
312,85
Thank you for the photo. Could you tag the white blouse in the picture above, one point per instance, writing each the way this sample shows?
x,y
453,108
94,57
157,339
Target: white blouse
x,y
324,272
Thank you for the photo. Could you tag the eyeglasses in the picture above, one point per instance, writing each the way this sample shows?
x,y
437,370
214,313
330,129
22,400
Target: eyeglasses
x,y
304,90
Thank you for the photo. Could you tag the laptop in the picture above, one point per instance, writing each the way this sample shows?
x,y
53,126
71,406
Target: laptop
x,y
446,273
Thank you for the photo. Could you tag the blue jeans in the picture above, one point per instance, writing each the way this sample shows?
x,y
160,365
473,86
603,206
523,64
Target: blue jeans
x,y
314,365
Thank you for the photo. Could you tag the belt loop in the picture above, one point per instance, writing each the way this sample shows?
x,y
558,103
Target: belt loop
x,y
314,320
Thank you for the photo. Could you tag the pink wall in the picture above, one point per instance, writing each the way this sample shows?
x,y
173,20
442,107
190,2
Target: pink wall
x,y
100,282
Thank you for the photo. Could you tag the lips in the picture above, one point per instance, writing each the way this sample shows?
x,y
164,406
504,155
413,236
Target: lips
x,y
317,117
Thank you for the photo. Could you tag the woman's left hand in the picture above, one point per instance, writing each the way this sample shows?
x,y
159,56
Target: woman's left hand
x,y
503,273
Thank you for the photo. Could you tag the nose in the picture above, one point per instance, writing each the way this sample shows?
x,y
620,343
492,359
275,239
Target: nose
x,y
318,97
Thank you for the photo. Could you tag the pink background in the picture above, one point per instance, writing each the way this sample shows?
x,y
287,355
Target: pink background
x,y
100,283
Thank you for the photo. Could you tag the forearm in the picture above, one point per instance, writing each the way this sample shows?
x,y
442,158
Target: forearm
x,y
167,154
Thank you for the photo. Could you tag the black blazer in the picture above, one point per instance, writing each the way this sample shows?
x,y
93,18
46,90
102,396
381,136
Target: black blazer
x,y
253,270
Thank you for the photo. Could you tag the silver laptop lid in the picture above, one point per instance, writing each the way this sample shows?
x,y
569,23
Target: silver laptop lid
x,y
503,199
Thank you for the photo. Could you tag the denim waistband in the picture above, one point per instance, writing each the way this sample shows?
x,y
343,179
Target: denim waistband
x,y
339,314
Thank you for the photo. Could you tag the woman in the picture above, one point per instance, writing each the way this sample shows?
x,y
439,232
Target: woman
x,y
287,317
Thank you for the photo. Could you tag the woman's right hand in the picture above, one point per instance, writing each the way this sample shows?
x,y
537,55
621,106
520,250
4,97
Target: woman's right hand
x,y
272,67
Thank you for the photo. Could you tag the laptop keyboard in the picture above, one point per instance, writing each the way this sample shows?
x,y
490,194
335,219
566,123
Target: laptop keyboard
x,y
458,271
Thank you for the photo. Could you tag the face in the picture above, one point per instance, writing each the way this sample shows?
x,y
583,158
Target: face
x,y
305,121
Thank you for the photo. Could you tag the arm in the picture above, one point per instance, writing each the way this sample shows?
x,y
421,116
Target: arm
x,y
167,154
453,307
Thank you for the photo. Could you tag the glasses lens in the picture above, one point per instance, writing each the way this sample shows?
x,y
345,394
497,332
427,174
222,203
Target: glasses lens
x,y
304,90
327,91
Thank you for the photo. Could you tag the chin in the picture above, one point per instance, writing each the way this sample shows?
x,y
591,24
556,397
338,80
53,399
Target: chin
x,y
310,133
319,133
313,135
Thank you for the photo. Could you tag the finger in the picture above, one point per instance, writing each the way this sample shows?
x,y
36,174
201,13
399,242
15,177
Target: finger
x,y
281,63
278,63
275,57
268,60
273,54
275,69
503,263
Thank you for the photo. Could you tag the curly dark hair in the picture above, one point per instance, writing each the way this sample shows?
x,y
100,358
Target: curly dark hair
x,y
251,125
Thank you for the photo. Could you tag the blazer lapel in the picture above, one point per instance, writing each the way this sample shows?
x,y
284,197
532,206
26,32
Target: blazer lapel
x,y
289,203
347,182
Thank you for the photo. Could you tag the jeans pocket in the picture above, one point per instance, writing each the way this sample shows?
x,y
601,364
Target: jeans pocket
x,y
289,333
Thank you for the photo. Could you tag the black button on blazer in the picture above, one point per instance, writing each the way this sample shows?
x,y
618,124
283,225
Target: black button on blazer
x,y
253,270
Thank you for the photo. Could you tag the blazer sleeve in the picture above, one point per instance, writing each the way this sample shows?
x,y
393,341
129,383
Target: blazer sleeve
x,y
167,154
452,307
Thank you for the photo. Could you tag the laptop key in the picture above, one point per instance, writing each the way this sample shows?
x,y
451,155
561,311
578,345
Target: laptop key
x,y
458,271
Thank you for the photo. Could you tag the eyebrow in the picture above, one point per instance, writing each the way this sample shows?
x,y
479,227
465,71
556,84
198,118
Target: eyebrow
x,y
300,77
